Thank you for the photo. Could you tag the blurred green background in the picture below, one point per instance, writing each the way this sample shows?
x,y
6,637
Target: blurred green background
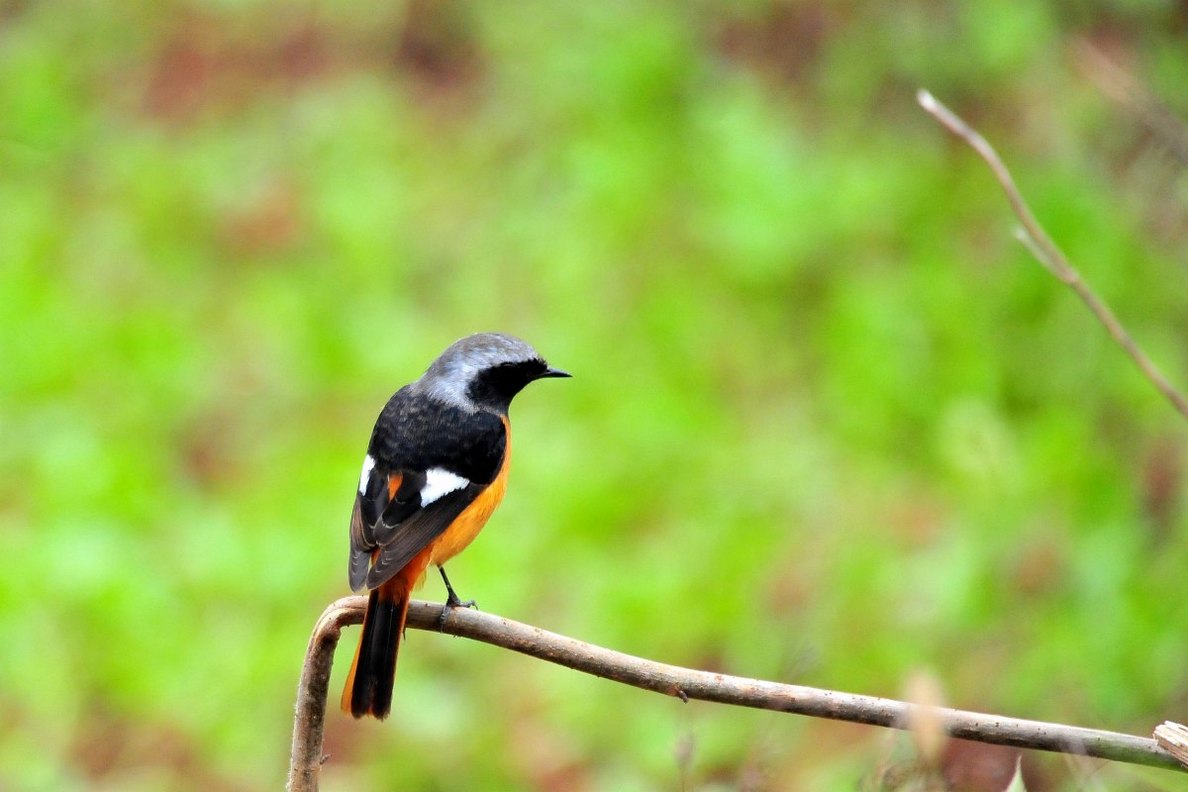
x,y
829,423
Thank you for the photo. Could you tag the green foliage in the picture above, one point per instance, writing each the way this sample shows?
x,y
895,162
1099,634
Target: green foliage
x,y
829,424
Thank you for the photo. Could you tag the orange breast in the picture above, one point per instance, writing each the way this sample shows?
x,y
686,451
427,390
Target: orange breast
x,y
468,524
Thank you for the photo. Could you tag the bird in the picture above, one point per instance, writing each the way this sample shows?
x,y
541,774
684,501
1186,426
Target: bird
x,y
436,468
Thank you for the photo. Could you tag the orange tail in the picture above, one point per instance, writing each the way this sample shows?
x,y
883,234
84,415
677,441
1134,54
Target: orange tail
x,y
368,688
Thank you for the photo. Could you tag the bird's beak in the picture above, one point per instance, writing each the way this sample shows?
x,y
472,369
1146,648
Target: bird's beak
x,y
554,372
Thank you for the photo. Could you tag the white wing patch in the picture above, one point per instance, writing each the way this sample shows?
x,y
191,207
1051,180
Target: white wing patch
x,y
368,466
439,482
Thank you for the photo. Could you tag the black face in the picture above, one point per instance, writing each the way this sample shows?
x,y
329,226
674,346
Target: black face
x,y
495,387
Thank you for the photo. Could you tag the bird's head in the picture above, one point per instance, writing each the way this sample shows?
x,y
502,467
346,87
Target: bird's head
x,y
485,371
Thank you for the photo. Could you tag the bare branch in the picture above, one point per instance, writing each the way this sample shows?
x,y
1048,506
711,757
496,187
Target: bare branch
x,y
685,684
1045,250
306,758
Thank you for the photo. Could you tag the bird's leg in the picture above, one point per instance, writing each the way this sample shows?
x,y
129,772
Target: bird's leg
x,y
452,600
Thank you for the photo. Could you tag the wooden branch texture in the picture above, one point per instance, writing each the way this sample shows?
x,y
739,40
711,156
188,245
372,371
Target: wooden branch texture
x,y
1173,737
685,684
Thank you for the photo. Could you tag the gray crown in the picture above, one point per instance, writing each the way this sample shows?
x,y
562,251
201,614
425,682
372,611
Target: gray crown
x,y
449,377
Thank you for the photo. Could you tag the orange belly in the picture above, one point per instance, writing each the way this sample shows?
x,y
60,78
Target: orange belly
x,y
468,524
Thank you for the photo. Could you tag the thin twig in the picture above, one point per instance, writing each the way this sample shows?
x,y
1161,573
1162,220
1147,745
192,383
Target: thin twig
x,y
1045,250
685,684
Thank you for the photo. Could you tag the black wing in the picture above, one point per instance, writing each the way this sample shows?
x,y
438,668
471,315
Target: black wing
x,y
380,551
426,463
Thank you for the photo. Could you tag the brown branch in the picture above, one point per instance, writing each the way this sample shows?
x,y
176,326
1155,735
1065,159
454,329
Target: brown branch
x,y
1044,249
685,684
306,757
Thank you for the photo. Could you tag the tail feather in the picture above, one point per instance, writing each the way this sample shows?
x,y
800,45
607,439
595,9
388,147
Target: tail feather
x,y
368,689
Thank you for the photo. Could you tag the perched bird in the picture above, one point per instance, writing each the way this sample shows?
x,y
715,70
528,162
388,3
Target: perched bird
x,y
436,467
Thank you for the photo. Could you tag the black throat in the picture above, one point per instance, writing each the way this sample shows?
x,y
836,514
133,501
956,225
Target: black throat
x,y
494,388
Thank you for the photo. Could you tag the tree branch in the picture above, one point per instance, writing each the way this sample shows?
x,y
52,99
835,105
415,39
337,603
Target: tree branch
x,y
685,684
1033,236
309,722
